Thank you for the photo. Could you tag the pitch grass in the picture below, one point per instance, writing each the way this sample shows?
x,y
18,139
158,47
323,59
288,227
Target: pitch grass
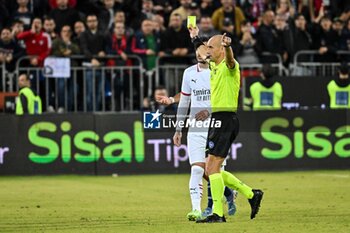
x,y
317,201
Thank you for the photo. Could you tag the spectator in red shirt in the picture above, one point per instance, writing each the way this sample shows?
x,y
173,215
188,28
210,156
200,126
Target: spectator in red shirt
x,y
38,43
119,43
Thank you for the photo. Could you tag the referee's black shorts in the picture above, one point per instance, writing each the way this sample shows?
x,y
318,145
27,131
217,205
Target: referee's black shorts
x,y
220,139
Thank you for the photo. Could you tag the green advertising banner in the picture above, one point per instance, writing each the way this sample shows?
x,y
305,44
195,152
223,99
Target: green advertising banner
x,y
118,143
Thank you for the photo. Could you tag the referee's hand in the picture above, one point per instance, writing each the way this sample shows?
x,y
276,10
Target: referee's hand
x,y
177,138
194,31
225,41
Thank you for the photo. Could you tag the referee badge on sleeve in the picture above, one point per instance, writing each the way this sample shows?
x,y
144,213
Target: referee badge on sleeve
x,y
211,144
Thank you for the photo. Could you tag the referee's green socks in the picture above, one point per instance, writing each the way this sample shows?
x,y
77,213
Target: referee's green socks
x,y
218,181
233,182
217,192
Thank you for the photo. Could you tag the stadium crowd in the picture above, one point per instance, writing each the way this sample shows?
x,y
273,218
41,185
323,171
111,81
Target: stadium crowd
x,y
152,28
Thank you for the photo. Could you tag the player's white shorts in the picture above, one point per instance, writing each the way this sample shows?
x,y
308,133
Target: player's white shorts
x,y
196,146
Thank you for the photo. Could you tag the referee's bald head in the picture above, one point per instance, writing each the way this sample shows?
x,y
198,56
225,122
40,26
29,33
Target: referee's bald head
x,y
215,41
215,49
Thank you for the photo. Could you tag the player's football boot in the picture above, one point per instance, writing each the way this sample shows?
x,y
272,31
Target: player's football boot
x,y
208,211
231,203
212,219
255,202
194,215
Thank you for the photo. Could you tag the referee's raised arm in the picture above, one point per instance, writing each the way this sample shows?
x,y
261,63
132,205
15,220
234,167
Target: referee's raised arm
x,y
229,58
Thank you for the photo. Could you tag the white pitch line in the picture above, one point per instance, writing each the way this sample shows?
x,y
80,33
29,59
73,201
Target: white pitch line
x,y
334,175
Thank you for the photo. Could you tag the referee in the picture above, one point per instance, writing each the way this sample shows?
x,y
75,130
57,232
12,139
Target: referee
x,y
224,88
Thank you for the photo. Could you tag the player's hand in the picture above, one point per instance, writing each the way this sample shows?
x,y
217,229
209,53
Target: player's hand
x,y
159,96
225,41
177,138
164,100
202,115
194,31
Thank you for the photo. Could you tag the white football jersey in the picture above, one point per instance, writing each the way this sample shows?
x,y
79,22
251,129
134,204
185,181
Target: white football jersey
x,y
196,83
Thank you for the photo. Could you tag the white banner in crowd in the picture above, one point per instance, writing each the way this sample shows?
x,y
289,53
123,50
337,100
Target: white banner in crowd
x,y
57,67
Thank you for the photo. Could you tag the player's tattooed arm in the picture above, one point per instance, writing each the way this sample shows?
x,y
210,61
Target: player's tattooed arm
x,y
177,97
202,115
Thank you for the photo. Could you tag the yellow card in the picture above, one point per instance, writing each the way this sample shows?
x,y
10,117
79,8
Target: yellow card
x,y
191,21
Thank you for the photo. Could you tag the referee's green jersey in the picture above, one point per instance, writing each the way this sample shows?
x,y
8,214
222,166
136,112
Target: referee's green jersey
x,y
224,87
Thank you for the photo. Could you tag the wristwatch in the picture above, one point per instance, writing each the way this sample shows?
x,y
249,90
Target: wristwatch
x,y
195,38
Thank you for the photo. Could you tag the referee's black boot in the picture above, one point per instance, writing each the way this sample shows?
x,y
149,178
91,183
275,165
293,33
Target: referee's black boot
x,y
212,219
255,202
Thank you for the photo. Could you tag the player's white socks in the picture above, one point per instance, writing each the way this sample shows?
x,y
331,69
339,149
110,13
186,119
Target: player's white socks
x,y
196,186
